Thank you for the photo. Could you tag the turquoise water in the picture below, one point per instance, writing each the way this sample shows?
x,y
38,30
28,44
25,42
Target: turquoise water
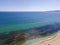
x,y
12,21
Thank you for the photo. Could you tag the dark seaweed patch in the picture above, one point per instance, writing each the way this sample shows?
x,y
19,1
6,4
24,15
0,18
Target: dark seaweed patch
x,y
23,35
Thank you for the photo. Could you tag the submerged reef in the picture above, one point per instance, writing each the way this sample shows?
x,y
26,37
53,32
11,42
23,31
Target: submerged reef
x,y
19,37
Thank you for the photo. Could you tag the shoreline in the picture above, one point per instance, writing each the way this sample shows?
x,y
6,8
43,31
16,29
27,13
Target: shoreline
x,y
52,40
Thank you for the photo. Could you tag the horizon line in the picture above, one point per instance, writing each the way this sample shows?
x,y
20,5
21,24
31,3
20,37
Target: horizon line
x,y
28,11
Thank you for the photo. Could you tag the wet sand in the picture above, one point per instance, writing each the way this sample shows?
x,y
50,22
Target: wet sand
x,y
51,41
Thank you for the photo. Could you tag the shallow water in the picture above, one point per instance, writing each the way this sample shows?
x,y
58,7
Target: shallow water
x,y
39,39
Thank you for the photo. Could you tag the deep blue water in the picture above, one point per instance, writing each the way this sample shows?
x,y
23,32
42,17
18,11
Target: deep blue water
x,y
11,21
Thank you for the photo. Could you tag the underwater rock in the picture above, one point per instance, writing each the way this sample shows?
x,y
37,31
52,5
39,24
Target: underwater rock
x,y
22,35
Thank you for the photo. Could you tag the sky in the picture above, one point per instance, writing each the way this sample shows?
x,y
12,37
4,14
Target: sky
x,y
29,5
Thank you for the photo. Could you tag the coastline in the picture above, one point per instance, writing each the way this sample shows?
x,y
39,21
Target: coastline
x,y
38,39
52,40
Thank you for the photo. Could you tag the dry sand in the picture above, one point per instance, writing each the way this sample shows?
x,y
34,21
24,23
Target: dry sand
x,y
51,41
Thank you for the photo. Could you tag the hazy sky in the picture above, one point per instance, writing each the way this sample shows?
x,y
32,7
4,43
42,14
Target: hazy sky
x,y
29,5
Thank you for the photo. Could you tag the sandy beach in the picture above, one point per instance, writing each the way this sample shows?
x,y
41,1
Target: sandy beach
x,y
51,41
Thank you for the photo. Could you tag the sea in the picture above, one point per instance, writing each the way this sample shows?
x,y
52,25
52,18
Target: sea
x,y
14,21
